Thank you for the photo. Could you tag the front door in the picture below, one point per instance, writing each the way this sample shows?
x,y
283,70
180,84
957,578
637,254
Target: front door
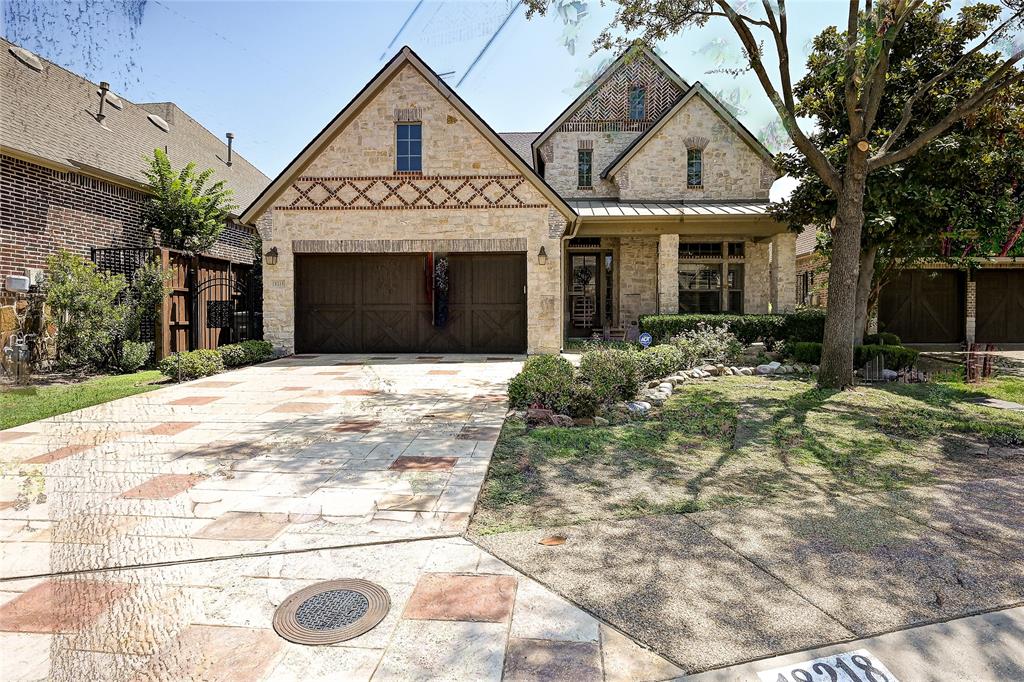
x,y
589,292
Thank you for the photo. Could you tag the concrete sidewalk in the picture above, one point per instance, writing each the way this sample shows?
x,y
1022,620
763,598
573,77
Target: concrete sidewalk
x,y
989,646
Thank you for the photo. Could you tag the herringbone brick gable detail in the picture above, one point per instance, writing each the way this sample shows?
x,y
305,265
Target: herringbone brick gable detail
x,y
608,108
341,193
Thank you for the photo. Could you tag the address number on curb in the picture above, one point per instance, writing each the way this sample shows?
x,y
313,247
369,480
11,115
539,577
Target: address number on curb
x,y
852,666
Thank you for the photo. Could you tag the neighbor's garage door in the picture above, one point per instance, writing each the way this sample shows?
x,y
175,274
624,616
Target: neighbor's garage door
x,y
999,306
924,306
381,304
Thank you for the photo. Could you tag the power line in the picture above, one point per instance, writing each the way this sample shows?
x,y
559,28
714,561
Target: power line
x,y
405,23
490,40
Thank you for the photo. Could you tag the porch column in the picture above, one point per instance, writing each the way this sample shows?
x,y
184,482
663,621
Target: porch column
x,y
971,305
783,272
668,274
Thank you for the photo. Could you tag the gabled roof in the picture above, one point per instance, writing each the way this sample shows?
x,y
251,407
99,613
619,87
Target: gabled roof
x,y
48,116
520,143
601,80
698,90
405,56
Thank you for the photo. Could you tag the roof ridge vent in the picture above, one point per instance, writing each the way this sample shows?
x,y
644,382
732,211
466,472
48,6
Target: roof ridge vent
x,y
27,58
159,123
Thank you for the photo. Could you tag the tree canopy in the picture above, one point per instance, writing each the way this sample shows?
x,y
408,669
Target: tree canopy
x,y
189,214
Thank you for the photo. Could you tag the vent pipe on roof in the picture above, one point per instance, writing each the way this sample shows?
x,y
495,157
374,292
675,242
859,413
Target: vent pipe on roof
x,y
104,89
230,136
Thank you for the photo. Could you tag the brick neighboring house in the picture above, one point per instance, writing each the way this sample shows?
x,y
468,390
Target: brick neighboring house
x,y
70,181
409,225
934,305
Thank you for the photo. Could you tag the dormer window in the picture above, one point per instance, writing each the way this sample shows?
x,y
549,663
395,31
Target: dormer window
x,y
694,168
637,104
409,148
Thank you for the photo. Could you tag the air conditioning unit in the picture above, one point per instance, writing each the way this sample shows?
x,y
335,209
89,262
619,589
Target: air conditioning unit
x,y
17,284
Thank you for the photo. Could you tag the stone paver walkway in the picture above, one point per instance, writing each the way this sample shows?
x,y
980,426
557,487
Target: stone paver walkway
x,y
152,538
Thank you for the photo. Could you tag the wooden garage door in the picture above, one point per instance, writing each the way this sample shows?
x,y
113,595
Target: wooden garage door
x,y
924,306
999,306
382,304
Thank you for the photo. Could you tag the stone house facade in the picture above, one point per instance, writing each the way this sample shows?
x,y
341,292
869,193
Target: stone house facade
x,y
74,181
409,225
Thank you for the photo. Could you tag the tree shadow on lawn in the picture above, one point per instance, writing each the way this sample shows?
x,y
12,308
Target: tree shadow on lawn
x,y
806,442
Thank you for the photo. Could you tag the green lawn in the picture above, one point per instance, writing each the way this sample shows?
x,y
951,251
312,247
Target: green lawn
x,y
751,440
27,404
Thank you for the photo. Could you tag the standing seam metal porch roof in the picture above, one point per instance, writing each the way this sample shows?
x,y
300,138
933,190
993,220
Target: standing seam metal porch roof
x,y
610,208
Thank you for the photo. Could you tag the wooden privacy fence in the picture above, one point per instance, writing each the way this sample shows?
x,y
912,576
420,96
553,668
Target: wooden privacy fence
x,y
212,301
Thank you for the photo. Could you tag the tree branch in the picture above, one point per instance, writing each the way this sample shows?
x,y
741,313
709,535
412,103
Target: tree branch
x,y
981,96
783,104
908,107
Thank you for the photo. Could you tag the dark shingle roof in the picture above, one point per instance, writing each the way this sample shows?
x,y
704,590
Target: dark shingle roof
x,y
50,115
520,143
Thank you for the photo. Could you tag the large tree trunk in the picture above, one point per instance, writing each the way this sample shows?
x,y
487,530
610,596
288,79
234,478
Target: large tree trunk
x,y
865,278
837,351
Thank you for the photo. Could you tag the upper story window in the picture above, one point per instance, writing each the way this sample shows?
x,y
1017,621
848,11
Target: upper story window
x,y
584,168
409,148
637,104
694,168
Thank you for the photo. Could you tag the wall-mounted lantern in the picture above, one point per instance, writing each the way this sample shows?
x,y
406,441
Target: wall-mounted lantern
x,y
542,256
271,256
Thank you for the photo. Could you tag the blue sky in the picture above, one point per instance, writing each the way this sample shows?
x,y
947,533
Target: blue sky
x,y
275,72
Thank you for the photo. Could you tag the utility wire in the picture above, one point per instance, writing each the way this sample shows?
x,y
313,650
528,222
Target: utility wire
x,y
387,50
490,40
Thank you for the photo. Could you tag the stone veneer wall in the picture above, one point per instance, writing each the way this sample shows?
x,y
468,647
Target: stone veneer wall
x,y
561,171
455,155
756,277
783,272
638,278
732,170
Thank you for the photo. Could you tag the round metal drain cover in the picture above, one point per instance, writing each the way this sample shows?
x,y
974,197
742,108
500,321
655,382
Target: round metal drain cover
x,y
331,612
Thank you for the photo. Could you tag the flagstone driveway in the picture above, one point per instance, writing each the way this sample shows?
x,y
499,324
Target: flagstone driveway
x,y
152,538
314,451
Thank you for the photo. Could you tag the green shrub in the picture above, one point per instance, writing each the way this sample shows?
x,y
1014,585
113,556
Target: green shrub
x,y
582,400
245,353
896,357
660,361
807,352
613,374
882,339
134,354
233,355
707,343
545,380
192,364
83,304
803,325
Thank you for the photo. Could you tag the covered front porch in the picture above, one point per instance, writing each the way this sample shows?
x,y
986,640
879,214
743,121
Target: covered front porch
x,y
629,259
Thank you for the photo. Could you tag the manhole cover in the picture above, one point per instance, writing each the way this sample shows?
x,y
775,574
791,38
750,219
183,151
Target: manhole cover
x,y
331,612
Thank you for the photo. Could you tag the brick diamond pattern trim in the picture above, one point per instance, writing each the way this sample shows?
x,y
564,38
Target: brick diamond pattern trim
x,y
409,192
608,108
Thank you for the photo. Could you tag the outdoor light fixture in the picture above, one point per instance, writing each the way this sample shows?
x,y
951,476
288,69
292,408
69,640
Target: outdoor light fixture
x,y
271,256
542,256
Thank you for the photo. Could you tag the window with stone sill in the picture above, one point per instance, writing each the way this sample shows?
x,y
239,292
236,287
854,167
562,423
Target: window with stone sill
x,y
694,168
409,148
584,168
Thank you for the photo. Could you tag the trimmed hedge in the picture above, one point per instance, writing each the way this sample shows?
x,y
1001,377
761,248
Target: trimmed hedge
x,y
882,339
246,352
803,325
896,357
